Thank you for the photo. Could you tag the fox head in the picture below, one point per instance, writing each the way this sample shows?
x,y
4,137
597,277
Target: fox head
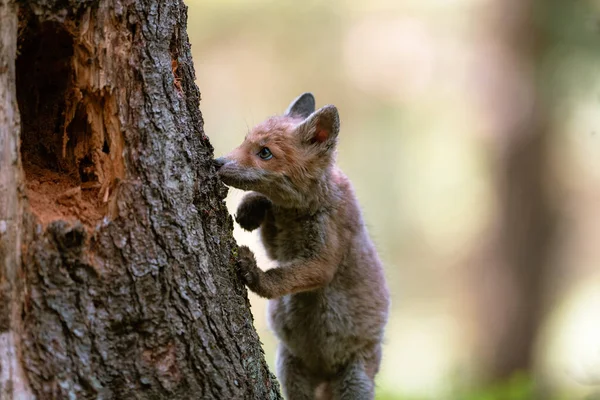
x,y
287,158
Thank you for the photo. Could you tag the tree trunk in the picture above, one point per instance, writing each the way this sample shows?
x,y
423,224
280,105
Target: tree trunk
x,y
516,264
118,275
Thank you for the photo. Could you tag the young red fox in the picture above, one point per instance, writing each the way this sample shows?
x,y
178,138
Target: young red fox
x,y
329,299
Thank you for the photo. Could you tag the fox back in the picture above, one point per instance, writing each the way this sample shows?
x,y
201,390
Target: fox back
x,y
329,300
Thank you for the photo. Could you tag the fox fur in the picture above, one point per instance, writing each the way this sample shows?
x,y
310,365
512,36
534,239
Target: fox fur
x,y
328,296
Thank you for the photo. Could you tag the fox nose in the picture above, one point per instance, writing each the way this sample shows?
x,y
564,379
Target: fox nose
x,y
219,162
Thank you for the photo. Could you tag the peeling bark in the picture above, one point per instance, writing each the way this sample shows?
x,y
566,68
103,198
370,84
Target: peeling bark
x,y
118,276
13,379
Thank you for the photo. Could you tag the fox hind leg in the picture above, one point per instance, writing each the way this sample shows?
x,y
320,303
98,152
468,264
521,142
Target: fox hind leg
x,y
353,383
297,383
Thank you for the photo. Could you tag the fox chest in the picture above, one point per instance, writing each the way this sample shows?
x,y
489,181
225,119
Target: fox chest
x,y
314,326
289,237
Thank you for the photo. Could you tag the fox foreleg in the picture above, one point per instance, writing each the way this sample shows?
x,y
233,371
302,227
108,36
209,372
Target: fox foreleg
x,y
252,211
287,279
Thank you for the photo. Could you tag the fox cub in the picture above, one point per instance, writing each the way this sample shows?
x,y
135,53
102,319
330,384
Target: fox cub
x,y
329,299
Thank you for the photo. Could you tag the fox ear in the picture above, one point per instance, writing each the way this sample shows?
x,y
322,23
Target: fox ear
x,y
321,127
302,106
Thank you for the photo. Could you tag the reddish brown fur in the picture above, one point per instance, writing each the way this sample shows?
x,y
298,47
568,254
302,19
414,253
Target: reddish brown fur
x,y
329,297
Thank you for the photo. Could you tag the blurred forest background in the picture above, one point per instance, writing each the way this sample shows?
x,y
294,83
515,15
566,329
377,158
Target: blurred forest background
x,y
471,131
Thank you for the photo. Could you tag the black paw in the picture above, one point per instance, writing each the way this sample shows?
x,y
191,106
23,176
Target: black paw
x,y
250,214
249,271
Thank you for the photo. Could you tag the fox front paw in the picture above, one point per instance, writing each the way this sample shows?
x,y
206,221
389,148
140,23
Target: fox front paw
x,y
249,271
251,213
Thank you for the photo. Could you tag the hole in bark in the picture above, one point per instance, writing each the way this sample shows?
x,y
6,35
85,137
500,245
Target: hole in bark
x,y
175,62
58,149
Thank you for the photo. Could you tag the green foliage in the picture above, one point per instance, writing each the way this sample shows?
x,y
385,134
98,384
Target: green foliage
x,y
518,387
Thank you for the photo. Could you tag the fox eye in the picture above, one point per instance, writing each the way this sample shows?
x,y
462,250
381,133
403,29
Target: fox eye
x,y
265,153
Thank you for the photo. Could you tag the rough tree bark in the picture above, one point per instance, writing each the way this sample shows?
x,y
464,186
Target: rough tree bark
x,y
117,277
